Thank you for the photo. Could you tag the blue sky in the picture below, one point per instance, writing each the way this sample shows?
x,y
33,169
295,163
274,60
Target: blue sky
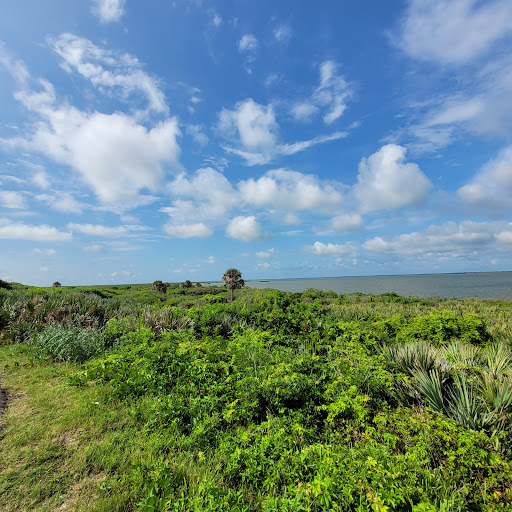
x,y
174,139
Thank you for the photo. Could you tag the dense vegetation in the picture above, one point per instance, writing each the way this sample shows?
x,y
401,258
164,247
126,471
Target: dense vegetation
x,y
169,397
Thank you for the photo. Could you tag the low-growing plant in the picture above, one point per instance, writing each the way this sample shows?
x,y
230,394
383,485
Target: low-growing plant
x,y
68,343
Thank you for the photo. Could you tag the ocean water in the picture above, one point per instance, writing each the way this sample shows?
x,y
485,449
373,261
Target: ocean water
x,y
477,285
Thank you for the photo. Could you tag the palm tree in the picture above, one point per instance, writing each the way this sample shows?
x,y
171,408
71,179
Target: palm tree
x,y
232,279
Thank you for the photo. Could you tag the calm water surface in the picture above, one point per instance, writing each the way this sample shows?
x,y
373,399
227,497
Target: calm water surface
x,y
480,285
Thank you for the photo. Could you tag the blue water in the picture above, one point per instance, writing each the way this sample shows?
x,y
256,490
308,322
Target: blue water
x,y
478,285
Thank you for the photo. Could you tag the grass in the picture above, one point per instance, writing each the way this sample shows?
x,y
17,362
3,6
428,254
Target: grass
x,y
63,447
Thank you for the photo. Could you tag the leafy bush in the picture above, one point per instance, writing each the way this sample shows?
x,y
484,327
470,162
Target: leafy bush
x,y
5,285
443,327
68,343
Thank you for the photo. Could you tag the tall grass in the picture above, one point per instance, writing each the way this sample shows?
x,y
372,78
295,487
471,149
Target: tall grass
x,y
72,343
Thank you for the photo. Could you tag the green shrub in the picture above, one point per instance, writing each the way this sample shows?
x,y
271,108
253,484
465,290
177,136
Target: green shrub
x,y
441,328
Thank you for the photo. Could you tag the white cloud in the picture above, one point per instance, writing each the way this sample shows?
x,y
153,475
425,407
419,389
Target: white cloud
x,y
196,132
254,128
304,111
216,21
195,230
266,254
254,124
119,74
108,10
453,31
104,231
248,43
114,154
347,222
290,190
10,199
209,196
449,238
247,229
386,182
42,233
332,92
322,249
8,177
505,236
15,67
61,202
331,96
466,38
211,260
491,189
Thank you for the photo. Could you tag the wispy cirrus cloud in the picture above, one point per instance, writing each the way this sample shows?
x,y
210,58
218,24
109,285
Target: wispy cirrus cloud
x,y
464,39
115,73
106,231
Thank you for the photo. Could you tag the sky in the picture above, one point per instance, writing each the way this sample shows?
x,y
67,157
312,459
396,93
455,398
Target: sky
x,y
172,140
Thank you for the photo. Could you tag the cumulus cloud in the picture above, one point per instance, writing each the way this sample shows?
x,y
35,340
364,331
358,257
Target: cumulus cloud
x,y
266,254
290,190
247,229
118,74
322,249
453,31
108,10
505,236
386,182
195,230
42,233
255,125
330,96
208,195
254,128
491,189
449,238
114,154
10,199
